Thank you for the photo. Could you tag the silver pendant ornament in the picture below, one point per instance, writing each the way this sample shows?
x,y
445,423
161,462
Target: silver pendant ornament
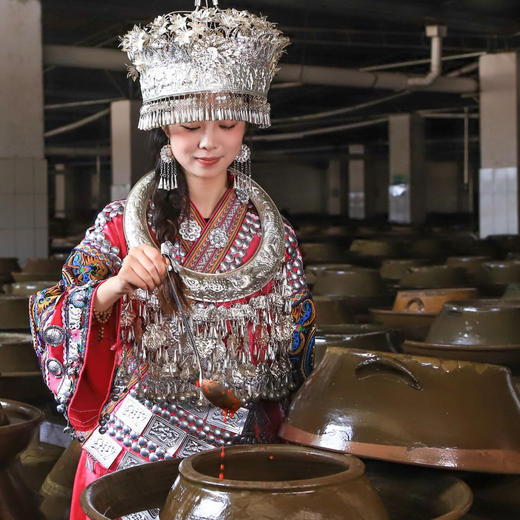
x,y
241,167
168,172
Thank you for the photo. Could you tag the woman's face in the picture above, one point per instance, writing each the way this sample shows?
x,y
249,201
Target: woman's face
x,y
206,148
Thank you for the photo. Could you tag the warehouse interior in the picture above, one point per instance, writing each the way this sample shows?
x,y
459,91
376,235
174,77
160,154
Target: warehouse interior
x,y
394,152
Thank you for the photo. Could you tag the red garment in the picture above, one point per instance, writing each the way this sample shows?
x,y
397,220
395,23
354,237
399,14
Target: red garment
x,y
79,367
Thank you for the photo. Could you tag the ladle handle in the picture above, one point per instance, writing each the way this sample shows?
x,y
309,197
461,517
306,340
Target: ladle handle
x,y
183,316
373,366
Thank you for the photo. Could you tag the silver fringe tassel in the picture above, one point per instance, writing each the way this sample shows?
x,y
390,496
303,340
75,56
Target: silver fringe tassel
x,y
205,107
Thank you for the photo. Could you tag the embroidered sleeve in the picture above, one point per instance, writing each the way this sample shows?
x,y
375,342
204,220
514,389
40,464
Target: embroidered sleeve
x,y
303,312
61,316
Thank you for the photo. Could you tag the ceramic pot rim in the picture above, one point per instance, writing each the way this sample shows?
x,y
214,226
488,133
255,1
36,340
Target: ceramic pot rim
x,y
354,468
435,292
402,313
32,415
479,460
463,348
482,305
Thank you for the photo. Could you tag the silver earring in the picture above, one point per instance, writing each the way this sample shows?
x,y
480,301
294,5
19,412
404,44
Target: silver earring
x,y
242,169
168,172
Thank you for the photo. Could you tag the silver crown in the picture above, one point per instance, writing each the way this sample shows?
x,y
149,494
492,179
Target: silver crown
x,y
207,64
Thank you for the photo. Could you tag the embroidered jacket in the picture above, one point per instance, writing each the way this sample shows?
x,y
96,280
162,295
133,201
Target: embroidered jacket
x,y
79,368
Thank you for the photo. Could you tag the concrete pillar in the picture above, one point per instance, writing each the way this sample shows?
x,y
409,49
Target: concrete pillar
x,y
407,187
60,194
23,169
361,191
130,147
334,205
499,143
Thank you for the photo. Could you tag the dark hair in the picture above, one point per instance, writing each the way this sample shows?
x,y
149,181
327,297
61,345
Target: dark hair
x,y
167,207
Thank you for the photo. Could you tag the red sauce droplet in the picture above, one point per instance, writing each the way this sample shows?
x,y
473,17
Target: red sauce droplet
x,y
222,455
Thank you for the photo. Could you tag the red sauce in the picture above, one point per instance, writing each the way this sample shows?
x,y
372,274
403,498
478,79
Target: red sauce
x,y
222,455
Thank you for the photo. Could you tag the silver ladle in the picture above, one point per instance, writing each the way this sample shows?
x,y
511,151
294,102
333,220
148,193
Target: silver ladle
x,y
216,393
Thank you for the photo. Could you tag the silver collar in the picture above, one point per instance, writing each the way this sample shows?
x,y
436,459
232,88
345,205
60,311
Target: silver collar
x,y
255,274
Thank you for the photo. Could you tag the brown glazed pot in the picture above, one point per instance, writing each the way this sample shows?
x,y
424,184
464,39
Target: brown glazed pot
x,y
430,300
17,353
378,248
27,288
472,266
407,493
355,335
394,269
16,500
272,481
313,271
358,287
512,292
330,310
413,410
56,490
323,252
14,312
428,494
433,277
413,325
484,331
497,275
477,322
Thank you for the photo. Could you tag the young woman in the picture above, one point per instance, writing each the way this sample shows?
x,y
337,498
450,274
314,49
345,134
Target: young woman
x,y
112,344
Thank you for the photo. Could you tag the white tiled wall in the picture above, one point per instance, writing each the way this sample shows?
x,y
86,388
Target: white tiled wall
x,y
499,204
23,208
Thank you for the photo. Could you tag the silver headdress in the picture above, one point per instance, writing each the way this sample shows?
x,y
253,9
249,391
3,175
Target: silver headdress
x,y
207,64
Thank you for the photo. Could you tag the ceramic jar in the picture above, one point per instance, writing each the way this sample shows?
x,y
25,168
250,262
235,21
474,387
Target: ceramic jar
x,y
409,409
272,481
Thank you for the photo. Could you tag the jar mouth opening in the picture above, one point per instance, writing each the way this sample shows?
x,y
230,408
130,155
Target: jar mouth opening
x,y
273,467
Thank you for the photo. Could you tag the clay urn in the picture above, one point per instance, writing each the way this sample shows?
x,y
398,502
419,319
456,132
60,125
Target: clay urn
x,y
408,493
20,375
272,481
393,269
8,265
430,300
415,310
512,292
17,352
14,312
313,271
56,489
333,310
433,277
428,247
498,274
323,252
472,266
476,330
27,288
409,409
357,286
355,335
372,252
18,422
38,269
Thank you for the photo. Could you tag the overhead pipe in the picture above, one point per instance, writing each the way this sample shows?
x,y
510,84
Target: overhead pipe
x,y
436,33
113,59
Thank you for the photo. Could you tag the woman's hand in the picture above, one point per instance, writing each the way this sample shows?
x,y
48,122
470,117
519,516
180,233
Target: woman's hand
x,y
143,268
